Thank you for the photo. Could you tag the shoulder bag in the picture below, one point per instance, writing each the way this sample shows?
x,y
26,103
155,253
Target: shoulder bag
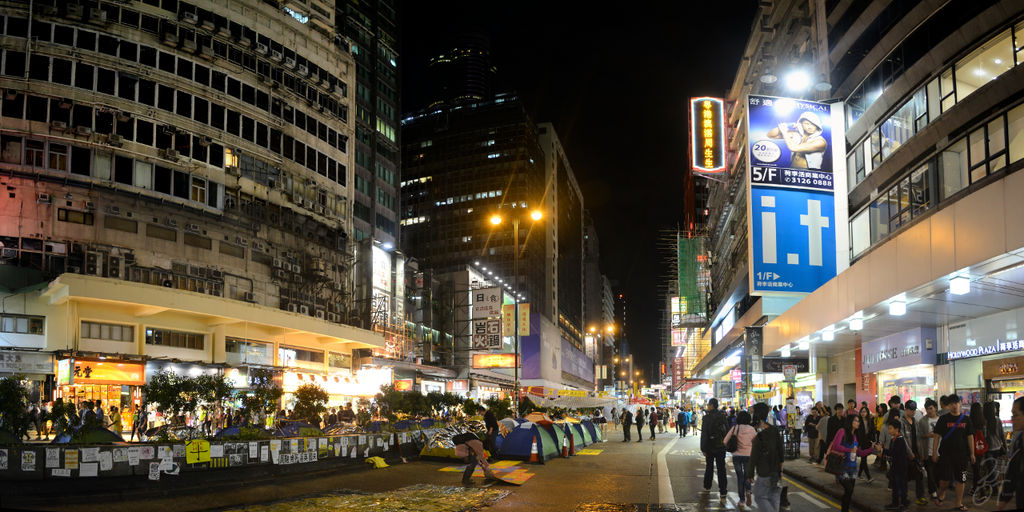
x,y
734,442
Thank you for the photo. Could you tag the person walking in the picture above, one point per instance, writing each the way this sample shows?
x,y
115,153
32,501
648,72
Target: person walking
x,y
115,421
797,429
615,419
1015,469
652,421
900,462
639,420
915,470
811,431
824,440
627,424
681,424
744,434
764,469
925,426
866,435
845,445
954,439
712,446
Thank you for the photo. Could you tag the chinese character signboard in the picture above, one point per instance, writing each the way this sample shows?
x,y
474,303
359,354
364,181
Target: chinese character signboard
x,y
486,334
508,319
73,371
487,302
524,318
707,135
797,198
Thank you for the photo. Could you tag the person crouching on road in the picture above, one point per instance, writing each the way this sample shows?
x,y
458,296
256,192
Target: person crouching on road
x,y
471,449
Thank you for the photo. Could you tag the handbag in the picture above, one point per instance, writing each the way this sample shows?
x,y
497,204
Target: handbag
x,y
734,442
834,463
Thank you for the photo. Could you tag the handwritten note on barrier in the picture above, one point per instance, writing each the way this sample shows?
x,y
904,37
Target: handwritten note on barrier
x,y
133,455
90,454
52,458
106,461
154,471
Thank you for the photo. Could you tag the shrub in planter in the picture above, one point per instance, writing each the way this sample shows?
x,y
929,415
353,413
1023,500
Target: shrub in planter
x,y
14,418
310,403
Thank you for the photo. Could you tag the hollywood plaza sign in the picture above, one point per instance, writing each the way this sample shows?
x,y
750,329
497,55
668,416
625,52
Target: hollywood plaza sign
x,y
998,347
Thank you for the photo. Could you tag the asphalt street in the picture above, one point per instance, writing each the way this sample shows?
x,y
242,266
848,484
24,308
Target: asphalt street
x,y
665,474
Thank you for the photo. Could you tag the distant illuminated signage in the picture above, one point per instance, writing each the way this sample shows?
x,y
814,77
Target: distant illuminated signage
x,y
403,384
707,135
71,371
494,360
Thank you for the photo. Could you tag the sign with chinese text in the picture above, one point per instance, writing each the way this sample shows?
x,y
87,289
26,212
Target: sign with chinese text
x,y
524,318
736,375
403,384
794,188
25,362
707,135
508,319
457,386
486,334
100,372
487,302
494,360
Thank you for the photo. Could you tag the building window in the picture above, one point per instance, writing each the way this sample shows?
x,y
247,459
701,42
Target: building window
x,y
176,339
34,153
21,324
58,157
108,332
199,190
75,216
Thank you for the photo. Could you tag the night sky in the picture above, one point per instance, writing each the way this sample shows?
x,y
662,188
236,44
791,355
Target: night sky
x,y
615,80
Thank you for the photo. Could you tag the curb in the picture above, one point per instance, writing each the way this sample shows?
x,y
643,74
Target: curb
x,y
829,491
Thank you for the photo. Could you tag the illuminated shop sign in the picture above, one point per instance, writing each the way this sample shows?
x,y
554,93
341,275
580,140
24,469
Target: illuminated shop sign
x,y
998,347
707,135
494,360
71,371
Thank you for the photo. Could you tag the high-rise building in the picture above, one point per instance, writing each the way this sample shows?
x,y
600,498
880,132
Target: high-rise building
x,y
933,113
179,182
462,72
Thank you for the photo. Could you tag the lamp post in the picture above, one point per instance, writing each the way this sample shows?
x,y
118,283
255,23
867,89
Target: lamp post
x,y
496,220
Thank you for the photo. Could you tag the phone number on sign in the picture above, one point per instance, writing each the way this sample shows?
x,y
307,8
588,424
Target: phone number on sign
x,y
807,181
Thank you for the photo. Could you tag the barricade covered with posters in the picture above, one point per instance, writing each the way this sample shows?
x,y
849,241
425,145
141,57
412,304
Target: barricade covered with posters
x,y
165,460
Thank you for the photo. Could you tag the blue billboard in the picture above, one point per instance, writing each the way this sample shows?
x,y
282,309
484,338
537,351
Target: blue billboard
x,y
792,209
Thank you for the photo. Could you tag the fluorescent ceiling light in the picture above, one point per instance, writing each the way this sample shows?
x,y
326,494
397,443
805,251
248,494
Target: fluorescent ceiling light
x,y
898,308
857,324
960,285
828,334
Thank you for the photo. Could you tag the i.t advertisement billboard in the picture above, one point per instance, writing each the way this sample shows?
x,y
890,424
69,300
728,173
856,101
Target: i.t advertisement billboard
x,y
796,196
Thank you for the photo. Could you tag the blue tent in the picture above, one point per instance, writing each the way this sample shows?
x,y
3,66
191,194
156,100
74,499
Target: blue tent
x,y
518,444
595,432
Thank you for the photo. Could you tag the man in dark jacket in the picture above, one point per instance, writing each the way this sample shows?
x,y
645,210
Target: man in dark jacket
x,y
765,466
627,424
712,445
681,424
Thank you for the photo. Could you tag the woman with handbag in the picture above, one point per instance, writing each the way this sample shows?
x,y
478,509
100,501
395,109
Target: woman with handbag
x,y
738,441
841,459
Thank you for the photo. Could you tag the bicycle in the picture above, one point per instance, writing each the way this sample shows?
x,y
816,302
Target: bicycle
x,y
990,484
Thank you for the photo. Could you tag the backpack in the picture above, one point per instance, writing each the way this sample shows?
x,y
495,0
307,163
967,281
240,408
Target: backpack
x,y
717,429
980,444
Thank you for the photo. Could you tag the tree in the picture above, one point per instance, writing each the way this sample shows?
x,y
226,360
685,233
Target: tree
x,y
391,401
471,407
263,394
175,395
14,398
310,403
500,408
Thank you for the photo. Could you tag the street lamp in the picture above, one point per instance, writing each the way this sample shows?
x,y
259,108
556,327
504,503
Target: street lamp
x,y
496,220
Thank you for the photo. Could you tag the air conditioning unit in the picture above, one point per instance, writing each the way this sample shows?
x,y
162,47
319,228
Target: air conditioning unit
x,y
43,197
294,308
194,228
304,309
190,18
233,170
245,42
59,125
171,223
169,154
280,274
115,140
249,297
258,246
216,274
244,242
190,45
290,63
303,70
320,209
84,131
206,53
262,49
208,25
114,267
320,314
276,56
332,317
97,16
278,263
89,205
114,210
75,11
170,39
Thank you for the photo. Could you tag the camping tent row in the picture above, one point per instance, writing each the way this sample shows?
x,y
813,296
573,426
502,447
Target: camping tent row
x,y
543,439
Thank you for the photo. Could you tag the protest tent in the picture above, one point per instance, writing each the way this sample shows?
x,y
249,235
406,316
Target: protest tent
x,y
530,442
590,428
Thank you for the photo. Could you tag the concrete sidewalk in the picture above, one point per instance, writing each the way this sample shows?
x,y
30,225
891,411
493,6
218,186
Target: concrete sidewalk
x,y
874,496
